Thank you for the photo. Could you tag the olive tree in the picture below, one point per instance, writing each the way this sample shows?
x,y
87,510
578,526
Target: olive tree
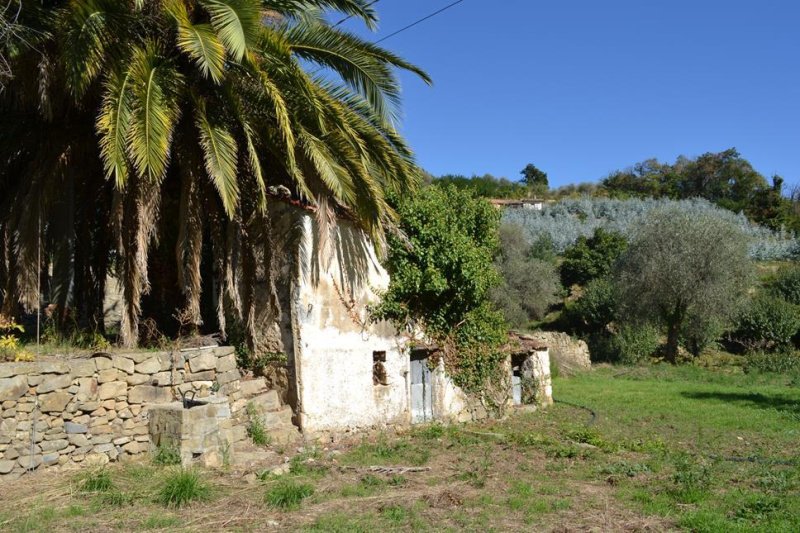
x,y
682,271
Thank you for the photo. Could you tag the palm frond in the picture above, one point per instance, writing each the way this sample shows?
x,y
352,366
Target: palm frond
x,y
154,111
200,43
237,23
220,154
113,124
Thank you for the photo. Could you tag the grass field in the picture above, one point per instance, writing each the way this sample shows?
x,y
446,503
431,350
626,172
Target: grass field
x,y
666,449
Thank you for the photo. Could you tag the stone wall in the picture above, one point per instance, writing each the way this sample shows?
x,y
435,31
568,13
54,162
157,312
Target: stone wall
x,y
94,410
566,354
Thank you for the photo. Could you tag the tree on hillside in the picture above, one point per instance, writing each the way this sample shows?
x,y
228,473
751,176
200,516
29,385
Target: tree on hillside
x,y
682,272
591,258
199,106
486,186
535,179
530,284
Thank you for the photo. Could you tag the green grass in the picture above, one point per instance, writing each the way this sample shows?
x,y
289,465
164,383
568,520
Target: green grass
x,y
166,455
288,494
255,428
183,487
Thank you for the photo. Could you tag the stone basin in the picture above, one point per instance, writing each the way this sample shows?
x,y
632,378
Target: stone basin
x,y
201,433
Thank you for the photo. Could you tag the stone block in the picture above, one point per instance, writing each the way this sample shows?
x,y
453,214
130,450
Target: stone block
x,y
149,394
88,407
50,459
228,377
102,429
206,375
28,463
35,380
54,445
87,389
150,366
83,368
119,441
226,363
96,459
112,390
205,360
9,413
109,374
253,387
266,402
102,361
78,440
9,370
108,404
123,363
13,388
138,379
7,466
134,448
165,379
72,428
54,382
102,439
54,402
103,448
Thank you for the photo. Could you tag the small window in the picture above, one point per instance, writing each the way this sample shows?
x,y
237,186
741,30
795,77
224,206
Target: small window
x,y
379,376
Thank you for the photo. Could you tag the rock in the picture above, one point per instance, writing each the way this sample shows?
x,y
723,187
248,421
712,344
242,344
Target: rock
x,y
34,381
88,407
112,389
8,370
136,447
54,402
137,379
121,440
102,361
101,429
150,366
203,361
54,445
13,388
87,389
27,463
72,428
226,363
54,382
78,440
206,375
228,377
108,404
165,379
96,459
7,466
11,453
82,368
103,448
266,402
9,413
123,363
149,394
253,387
280,470
109,374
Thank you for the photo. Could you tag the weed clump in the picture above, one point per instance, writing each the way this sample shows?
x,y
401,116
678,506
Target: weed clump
x,y
255,429
97,481
288,495
167,455
183,487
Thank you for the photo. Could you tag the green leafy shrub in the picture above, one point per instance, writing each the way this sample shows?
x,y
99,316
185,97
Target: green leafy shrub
x,y
767,324
255,428
441,275
594,310
786,362
691,480
183,487
167,455
591,258
787,285
636,342
288,494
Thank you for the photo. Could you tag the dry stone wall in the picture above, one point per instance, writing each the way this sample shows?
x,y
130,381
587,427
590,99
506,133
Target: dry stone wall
x,y
95,410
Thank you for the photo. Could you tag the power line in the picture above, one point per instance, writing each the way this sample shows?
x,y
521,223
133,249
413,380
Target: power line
x,y
348,17
423,19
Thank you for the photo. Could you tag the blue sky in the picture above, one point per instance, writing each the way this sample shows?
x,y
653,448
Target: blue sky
x,y
581,88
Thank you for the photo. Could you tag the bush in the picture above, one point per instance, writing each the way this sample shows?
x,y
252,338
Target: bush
x,y
183,487
288,494
530,285
787,285
167,455
780,362
591,258
594,310
767,324
255,429
635,343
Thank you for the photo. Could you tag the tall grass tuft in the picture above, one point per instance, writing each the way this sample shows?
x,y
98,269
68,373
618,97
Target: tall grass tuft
x,y
183,487
288,494
97,481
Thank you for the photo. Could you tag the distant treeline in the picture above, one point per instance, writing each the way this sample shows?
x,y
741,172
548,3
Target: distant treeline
x,y
724,178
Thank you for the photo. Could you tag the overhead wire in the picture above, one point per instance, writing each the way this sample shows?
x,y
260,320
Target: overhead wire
x,y
423,19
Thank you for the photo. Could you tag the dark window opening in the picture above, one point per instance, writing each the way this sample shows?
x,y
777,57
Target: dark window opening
x,y
379,375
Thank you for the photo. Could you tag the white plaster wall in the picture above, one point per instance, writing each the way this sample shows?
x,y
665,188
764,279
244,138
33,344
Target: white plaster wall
x,y
334,345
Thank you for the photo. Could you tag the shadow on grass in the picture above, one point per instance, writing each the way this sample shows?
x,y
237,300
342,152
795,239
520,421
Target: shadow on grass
x,y
778,402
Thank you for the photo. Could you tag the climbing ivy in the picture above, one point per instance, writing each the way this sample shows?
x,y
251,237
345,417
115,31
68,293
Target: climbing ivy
x,y
442,269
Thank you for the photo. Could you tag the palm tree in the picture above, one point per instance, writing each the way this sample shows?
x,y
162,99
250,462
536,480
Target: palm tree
x,y
213,95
